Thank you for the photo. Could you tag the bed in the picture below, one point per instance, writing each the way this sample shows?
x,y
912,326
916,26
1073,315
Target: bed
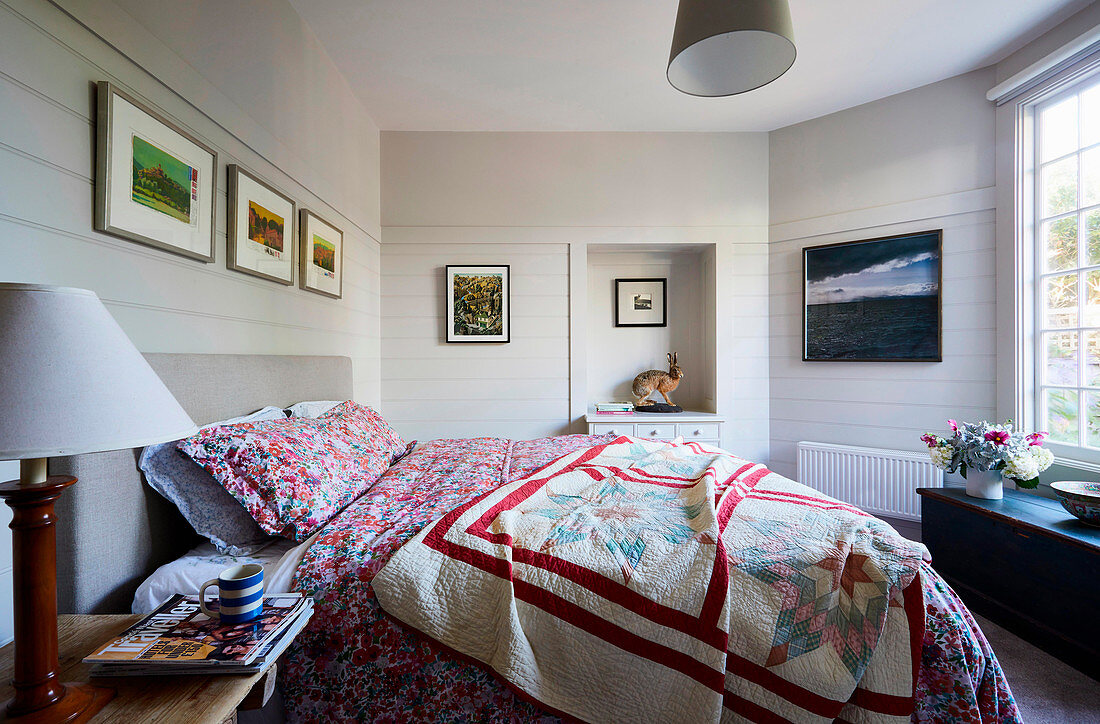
x,y
356,661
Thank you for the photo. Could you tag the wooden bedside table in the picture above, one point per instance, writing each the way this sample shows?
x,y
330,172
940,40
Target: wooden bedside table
x,y
191,699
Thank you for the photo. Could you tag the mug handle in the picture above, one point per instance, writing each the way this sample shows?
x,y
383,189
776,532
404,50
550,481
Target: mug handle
x,y
202,598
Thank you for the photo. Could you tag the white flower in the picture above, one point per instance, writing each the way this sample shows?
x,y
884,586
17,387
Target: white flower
x,y
1023,467
941,456
1029,463
1044,457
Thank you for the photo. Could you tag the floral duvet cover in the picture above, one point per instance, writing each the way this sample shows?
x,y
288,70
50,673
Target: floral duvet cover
x,y
354,663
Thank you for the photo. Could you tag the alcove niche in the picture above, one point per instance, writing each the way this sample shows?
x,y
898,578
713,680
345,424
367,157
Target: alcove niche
x,y
614,355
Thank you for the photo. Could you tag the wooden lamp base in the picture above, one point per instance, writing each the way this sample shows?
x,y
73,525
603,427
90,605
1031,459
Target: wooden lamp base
x,y
78,703
39,697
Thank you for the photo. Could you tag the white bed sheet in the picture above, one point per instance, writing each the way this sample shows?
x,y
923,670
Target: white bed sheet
x,y
185,574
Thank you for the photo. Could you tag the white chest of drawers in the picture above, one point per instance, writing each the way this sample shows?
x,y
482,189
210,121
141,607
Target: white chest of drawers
x,y
699,426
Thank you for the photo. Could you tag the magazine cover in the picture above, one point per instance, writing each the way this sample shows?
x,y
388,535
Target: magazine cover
x,y
268,652
179,632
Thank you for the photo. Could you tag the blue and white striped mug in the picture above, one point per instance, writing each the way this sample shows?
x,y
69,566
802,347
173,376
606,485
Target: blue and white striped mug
x,y
240,593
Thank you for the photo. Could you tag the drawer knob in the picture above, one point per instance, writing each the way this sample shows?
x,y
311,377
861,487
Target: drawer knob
x,y
613,432
653,432
698,432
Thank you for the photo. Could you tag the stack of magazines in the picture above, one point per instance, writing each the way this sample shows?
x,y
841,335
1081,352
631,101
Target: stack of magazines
x,y
178,638
614,408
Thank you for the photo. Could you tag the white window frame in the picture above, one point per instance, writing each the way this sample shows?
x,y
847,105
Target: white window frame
x,y
1030,268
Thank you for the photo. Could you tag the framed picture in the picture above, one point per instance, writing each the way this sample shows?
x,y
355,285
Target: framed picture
x,y
155,182
877,300
478,304
261,228
322,256
641,303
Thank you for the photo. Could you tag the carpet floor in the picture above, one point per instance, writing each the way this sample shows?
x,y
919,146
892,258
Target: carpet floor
x,y
1046,690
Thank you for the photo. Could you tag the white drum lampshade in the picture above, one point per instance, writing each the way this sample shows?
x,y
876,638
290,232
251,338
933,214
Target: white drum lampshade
x,y
72,382
726,47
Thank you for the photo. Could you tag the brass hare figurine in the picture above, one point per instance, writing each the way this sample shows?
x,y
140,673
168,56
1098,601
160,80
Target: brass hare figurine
x,y
652,381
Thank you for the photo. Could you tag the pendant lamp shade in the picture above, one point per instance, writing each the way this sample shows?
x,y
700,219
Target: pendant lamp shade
x,y
72,382
726,47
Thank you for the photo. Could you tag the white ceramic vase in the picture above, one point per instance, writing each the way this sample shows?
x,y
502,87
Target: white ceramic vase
x,y
987,484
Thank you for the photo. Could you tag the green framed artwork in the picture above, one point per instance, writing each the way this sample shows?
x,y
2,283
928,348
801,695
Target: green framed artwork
x,y
155,182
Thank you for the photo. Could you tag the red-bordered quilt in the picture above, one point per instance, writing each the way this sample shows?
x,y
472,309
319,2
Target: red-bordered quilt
x,y
643,580
353,662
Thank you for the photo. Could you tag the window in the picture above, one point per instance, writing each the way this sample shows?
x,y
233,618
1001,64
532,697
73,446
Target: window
x,y
1067,268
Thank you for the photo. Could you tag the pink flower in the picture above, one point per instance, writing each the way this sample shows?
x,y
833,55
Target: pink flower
x,y
928,439
997,437
954,426
1036,438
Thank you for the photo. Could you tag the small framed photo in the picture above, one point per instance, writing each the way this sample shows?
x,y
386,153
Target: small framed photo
x,y
261,228
641,302
322,256
155,182
478,304
875,300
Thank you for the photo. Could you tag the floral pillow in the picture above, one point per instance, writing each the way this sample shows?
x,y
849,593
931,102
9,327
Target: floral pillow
x,y
293,475
210,510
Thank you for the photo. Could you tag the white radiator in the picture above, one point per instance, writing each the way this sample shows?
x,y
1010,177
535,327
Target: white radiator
x,y
878,481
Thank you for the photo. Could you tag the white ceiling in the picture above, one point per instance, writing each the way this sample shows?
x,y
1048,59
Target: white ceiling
x,y
596,65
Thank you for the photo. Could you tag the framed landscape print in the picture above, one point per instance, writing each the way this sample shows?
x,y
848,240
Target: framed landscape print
x,y
261,228
877,300
321,251
155,182
641,303
478,304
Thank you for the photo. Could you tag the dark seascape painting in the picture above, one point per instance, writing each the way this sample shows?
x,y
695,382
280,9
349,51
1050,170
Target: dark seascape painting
x,y
875,300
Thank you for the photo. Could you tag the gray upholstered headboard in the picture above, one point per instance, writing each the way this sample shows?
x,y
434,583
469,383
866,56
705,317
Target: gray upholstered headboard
x,y
113,530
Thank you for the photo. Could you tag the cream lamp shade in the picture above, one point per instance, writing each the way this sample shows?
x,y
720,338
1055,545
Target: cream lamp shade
x,y
726,47
72,382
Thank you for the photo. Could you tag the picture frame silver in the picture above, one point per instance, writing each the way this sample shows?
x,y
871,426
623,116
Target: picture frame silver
x,y
233,174
306,260
104,217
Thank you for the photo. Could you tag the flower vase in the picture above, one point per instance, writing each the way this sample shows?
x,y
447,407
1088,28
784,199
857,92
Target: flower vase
x,y
987,484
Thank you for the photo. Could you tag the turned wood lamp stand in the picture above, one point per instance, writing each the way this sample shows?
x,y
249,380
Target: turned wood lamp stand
x,y
60,350
39,696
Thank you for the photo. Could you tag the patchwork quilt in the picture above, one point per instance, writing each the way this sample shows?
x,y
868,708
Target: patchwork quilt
x,y
642,580
356,662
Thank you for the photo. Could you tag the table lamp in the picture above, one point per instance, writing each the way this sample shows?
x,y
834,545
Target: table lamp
x,y
71,382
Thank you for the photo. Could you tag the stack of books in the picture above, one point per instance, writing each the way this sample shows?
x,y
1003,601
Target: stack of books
x,y
178,638
614,408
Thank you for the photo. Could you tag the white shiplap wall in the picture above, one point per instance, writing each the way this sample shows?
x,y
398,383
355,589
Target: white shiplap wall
x,y
434,389
744,361
886,405
48,67
917,161
539,201
49,63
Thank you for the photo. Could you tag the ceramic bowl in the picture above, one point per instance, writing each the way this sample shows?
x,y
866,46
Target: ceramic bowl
x,y
1080,498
